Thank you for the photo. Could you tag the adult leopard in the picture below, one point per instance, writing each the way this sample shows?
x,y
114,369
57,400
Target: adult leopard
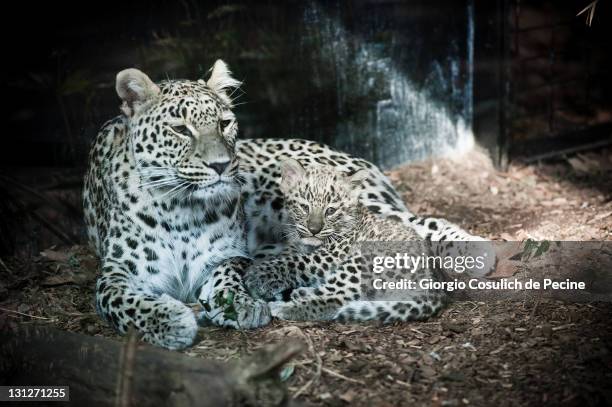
x,y
174,206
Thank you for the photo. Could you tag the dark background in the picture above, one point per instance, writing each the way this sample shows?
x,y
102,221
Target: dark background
x,y
387,80
392,81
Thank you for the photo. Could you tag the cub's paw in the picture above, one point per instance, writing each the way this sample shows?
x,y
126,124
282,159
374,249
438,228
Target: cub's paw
x,y
236,310
170,324
302,292
252,313
283,310
262,286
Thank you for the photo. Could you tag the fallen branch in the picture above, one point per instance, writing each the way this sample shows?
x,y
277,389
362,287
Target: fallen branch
x,y
104,372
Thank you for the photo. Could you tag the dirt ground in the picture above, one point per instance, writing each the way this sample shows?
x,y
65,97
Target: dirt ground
x,y
503,353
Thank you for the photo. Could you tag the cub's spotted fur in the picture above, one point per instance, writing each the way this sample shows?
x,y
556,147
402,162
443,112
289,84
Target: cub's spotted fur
x,y
328,226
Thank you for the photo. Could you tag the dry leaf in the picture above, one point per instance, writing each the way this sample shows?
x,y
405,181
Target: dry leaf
x,y
348,396
54,255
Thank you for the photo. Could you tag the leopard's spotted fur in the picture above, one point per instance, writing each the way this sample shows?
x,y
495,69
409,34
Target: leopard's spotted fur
x,y
173,202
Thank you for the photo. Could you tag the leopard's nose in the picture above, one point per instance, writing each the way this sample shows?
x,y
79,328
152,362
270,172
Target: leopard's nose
x,y
219,167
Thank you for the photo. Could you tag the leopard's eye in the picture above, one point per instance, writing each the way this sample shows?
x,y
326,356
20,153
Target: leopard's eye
x,y
182,130
305,207
330,211
224,124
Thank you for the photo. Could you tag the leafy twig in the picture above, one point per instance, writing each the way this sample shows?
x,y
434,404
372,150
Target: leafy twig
x,y
226,303
533,249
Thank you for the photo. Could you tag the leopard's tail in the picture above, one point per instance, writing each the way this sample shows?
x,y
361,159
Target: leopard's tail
x,y
391,311
449,239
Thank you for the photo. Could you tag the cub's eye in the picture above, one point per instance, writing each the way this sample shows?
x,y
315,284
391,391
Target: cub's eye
x,y
330,211
224,124
183,130
305,207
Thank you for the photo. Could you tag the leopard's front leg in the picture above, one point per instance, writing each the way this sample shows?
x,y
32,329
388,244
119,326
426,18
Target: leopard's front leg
x,y
160,319
227,303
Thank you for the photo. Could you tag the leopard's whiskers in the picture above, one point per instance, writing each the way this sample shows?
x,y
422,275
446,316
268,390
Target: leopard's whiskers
x,y
160,184
178,187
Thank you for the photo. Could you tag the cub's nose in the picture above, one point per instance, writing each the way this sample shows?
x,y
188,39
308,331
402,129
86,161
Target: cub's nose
x,y
315,227
314,230
219,167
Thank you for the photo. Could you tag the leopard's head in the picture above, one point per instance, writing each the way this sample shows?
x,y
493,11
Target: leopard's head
x,y
182,133
322,202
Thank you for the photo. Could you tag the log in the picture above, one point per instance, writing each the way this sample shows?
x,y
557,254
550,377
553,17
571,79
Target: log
x,y
105,372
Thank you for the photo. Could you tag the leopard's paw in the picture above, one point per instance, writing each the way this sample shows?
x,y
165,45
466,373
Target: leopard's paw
x,y
171,324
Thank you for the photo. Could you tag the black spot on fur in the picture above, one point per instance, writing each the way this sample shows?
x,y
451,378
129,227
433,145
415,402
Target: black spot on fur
x,y
131,266
211,217
374,208
277,204
152,270
150,255
117,251
147,219
131,243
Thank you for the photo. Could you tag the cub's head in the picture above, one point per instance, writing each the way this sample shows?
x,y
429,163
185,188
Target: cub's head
x,y
323,202
182,133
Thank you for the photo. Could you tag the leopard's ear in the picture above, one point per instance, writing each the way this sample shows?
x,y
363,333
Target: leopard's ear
x,y
357,178
135,89
221,81
291,173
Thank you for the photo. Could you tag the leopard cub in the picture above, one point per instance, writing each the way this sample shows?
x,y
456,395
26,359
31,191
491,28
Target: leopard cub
x,y
323,263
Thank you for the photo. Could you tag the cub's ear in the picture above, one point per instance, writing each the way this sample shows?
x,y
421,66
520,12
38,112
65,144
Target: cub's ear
x,y
356,180
221,80
291,172
135,89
